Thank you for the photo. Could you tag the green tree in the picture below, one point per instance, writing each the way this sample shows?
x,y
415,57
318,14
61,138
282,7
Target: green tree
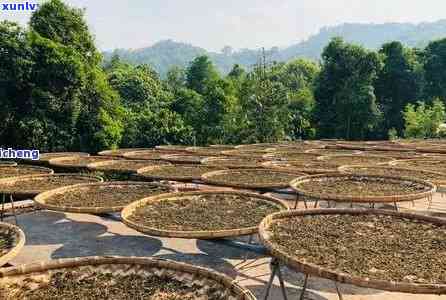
x,y
435,69
345,100
399,82
423,120
200,73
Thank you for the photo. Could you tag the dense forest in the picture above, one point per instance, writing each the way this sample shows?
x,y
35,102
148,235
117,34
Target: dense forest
x,y
57,93
165,54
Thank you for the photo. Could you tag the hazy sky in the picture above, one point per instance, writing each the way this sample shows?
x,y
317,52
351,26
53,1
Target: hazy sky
x,y
213,24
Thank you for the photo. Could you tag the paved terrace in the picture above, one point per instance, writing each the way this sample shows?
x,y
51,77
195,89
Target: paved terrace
x,y
53,235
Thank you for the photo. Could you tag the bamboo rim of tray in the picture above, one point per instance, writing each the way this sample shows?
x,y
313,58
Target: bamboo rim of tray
x,y
125,264
352,152
183,158
213,162
360,198
20,242
8,163
198,234
426,159
42,199
438,150
300,265
246,153
33,193
178,148
207,178
107,166
254,147
137,154
204,151
120,152
41,170
44,159
386,158
277,155
274,165
145,172
61,161
350,170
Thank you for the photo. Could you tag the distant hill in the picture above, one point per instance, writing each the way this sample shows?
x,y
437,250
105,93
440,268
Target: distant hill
x,y
168,53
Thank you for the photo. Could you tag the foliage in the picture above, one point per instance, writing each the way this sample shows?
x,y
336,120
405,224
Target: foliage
x,y
345,100
435,69
423,120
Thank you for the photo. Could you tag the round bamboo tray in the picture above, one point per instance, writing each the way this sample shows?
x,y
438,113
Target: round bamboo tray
x,y
72,162
229,174
207,279
177,148
43,200
44,158
205,151
150,154
357,159
130,209
120,152
130,166
7,163
290,155
151,172
440,178
7,183
257,154
20,242
232,162
183,158
22,170
301,265
300,166
361,198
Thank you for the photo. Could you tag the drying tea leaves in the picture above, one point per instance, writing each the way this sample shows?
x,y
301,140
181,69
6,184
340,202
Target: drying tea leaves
x,y
21,170
145,155
434,177
206,212
105,195
129,166
207,151
47,156
246,153
251,177
80,162
8,240
394,154
233,162
184,159
358,185
368,246
342,160
76,284
176,172
40,184
291,155
311,167
423,164
324,152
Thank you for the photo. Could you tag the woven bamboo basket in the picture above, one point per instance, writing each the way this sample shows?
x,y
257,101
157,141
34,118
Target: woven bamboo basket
x,y
120,152
208,178
43,200
7,183
150,172
207,279
382,170
299,167
183,158
361,198
301,265
214,234
20,242
7,171
131,165
232,162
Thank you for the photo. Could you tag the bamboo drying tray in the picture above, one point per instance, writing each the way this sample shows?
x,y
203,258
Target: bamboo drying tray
x,y
130,209
151,172
150,154
7,163
353,159
43,200
120,152
6,183
360,198
300,166
232,162
209,179
19,239
176,148
7,171
301,265
122,266
290,155
127,166
183,158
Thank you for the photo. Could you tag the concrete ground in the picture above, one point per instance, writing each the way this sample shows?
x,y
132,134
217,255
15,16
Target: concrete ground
x,y
52,235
